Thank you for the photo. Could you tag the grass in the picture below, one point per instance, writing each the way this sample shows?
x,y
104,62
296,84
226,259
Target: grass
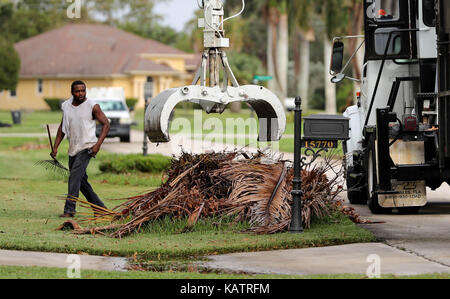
x,y
14,272
18,162
29,217
30,206
34,122
31,122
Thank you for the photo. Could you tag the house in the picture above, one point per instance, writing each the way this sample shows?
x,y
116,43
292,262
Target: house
x,y
100,55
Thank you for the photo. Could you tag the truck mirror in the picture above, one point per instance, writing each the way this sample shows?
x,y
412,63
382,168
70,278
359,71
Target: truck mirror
x,y
337,57
338,78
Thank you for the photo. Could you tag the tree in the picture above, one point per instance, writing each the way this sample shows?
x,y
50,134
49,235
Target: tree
x,y
27,18
301,14
355,10
334,18
9,65
282,49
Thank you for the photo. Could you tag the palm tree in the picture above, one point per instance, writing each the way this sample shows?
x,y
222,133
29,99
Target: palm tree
x,y
301,12
334,17
275,13
355,10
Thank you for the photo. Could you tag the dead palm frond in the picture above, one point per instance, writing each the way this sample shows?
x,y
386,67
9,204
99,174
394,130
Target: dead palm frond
x,y
99,213
53,165
256,189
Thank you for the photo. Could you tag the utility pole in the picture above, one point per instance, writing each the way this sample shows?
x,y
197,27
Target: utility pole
x,y
148,94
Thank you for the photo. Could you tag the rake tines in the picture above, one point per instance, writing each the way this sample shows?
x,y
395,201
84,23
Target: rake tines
x,y
53,164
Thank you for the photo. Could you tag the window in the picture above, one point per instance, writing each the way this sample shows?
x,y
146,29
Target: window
x,y
387,10
429,15
148,88
13,93
39,86
112,105
381,40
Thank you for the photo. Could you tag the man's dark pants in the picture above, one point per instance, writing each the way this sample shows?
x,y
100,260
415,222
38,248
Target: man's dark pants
x,y
78,181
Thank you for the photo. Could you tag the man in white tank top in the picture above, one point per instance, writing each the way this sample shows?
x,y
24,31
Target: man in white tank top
x,y
78,124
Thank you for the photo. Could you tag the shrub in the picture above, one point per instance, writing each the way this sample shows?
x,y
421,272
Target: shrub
x,y
131,102
155,163
54,104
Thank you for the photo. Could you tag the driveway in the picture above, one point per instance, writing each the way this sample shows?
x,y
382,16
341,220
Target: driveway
x,y
426,234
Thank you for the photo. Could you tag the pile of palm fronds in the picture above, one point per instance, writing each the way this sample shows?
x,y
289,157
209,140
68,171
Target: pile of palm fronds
x,y
254,188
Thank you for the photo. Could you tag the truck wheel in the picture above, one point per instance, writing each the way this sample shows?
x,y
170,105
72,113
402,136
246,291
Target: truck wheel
x,y
356,191
372,197
125,138
356,187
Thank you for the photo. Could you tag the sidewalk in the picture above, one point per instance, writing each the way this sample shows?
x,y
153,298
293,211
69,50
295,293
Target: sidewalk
x,y
60,260
344,259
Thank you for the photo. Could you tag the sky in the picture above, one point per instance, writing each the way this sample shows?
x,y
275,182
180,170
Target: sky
x,y
176,13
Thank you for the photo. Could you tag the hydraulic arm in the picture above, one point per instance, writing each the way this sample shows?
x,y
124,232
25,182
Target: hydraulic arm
x,y
209,92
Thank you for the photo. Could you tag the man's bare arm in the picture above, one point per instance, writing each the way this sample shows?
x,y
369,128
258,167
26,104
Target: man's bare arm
x,y
101,117
59,137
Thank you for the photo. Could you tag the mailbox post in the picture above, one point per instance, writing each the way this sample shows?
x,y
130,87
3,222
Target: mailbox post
x,y
296,219
321,132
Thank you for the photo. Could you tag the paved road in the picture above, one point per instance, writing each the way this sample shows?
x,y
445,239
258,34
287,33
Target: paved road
x,y
178,143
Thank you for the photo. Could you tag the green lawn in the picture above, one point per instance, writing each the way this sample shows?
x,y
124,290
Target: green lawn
x,y
12,272
31,122
184,122
29,217
30,204
30,208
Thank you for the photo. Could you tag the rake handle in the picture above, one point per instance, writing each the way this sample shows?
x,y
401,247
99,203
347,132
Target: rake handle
x,y
50,139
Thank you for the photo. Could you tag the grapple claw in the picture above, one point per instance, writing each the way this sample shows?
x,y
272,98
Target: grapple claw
x,y
269,109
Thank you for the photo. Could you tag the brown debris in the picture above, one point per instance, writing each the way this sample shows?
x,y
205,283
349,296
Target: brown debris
x,y
351,213
69,224
248,187
31,147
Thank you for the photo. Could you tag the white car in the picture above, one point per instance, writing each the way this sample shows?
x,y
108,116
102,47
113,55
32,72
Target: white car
x,y
289,103
113,104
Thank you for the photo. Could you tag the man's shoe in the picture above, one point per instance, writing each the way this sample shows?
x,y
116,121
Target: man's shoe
x,y
67,215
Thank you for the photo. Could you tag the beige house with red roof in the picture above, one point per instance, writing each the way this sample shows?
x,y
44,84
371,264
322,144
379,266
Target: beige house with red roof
x,y
100,55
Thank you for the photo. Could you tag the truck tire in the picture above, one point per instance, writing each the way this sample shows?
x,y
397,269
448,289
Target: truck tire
x,y
356,186
356,189
372,198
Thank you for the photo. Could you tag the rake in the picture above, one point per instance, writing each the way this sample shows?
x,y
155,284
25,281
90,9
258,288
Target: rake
x,y
53,165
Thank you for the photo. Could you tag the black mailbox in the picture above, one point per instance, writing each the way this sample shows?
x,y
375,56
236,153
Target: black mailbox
x,y
326,127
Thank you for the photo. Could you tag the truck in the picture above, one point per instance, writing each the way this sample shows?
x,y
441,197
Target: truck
x,y
112,102
400,126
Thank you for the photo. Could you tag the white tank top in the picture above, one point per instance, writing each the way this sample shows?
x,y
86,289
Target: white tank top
x,y
79,125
